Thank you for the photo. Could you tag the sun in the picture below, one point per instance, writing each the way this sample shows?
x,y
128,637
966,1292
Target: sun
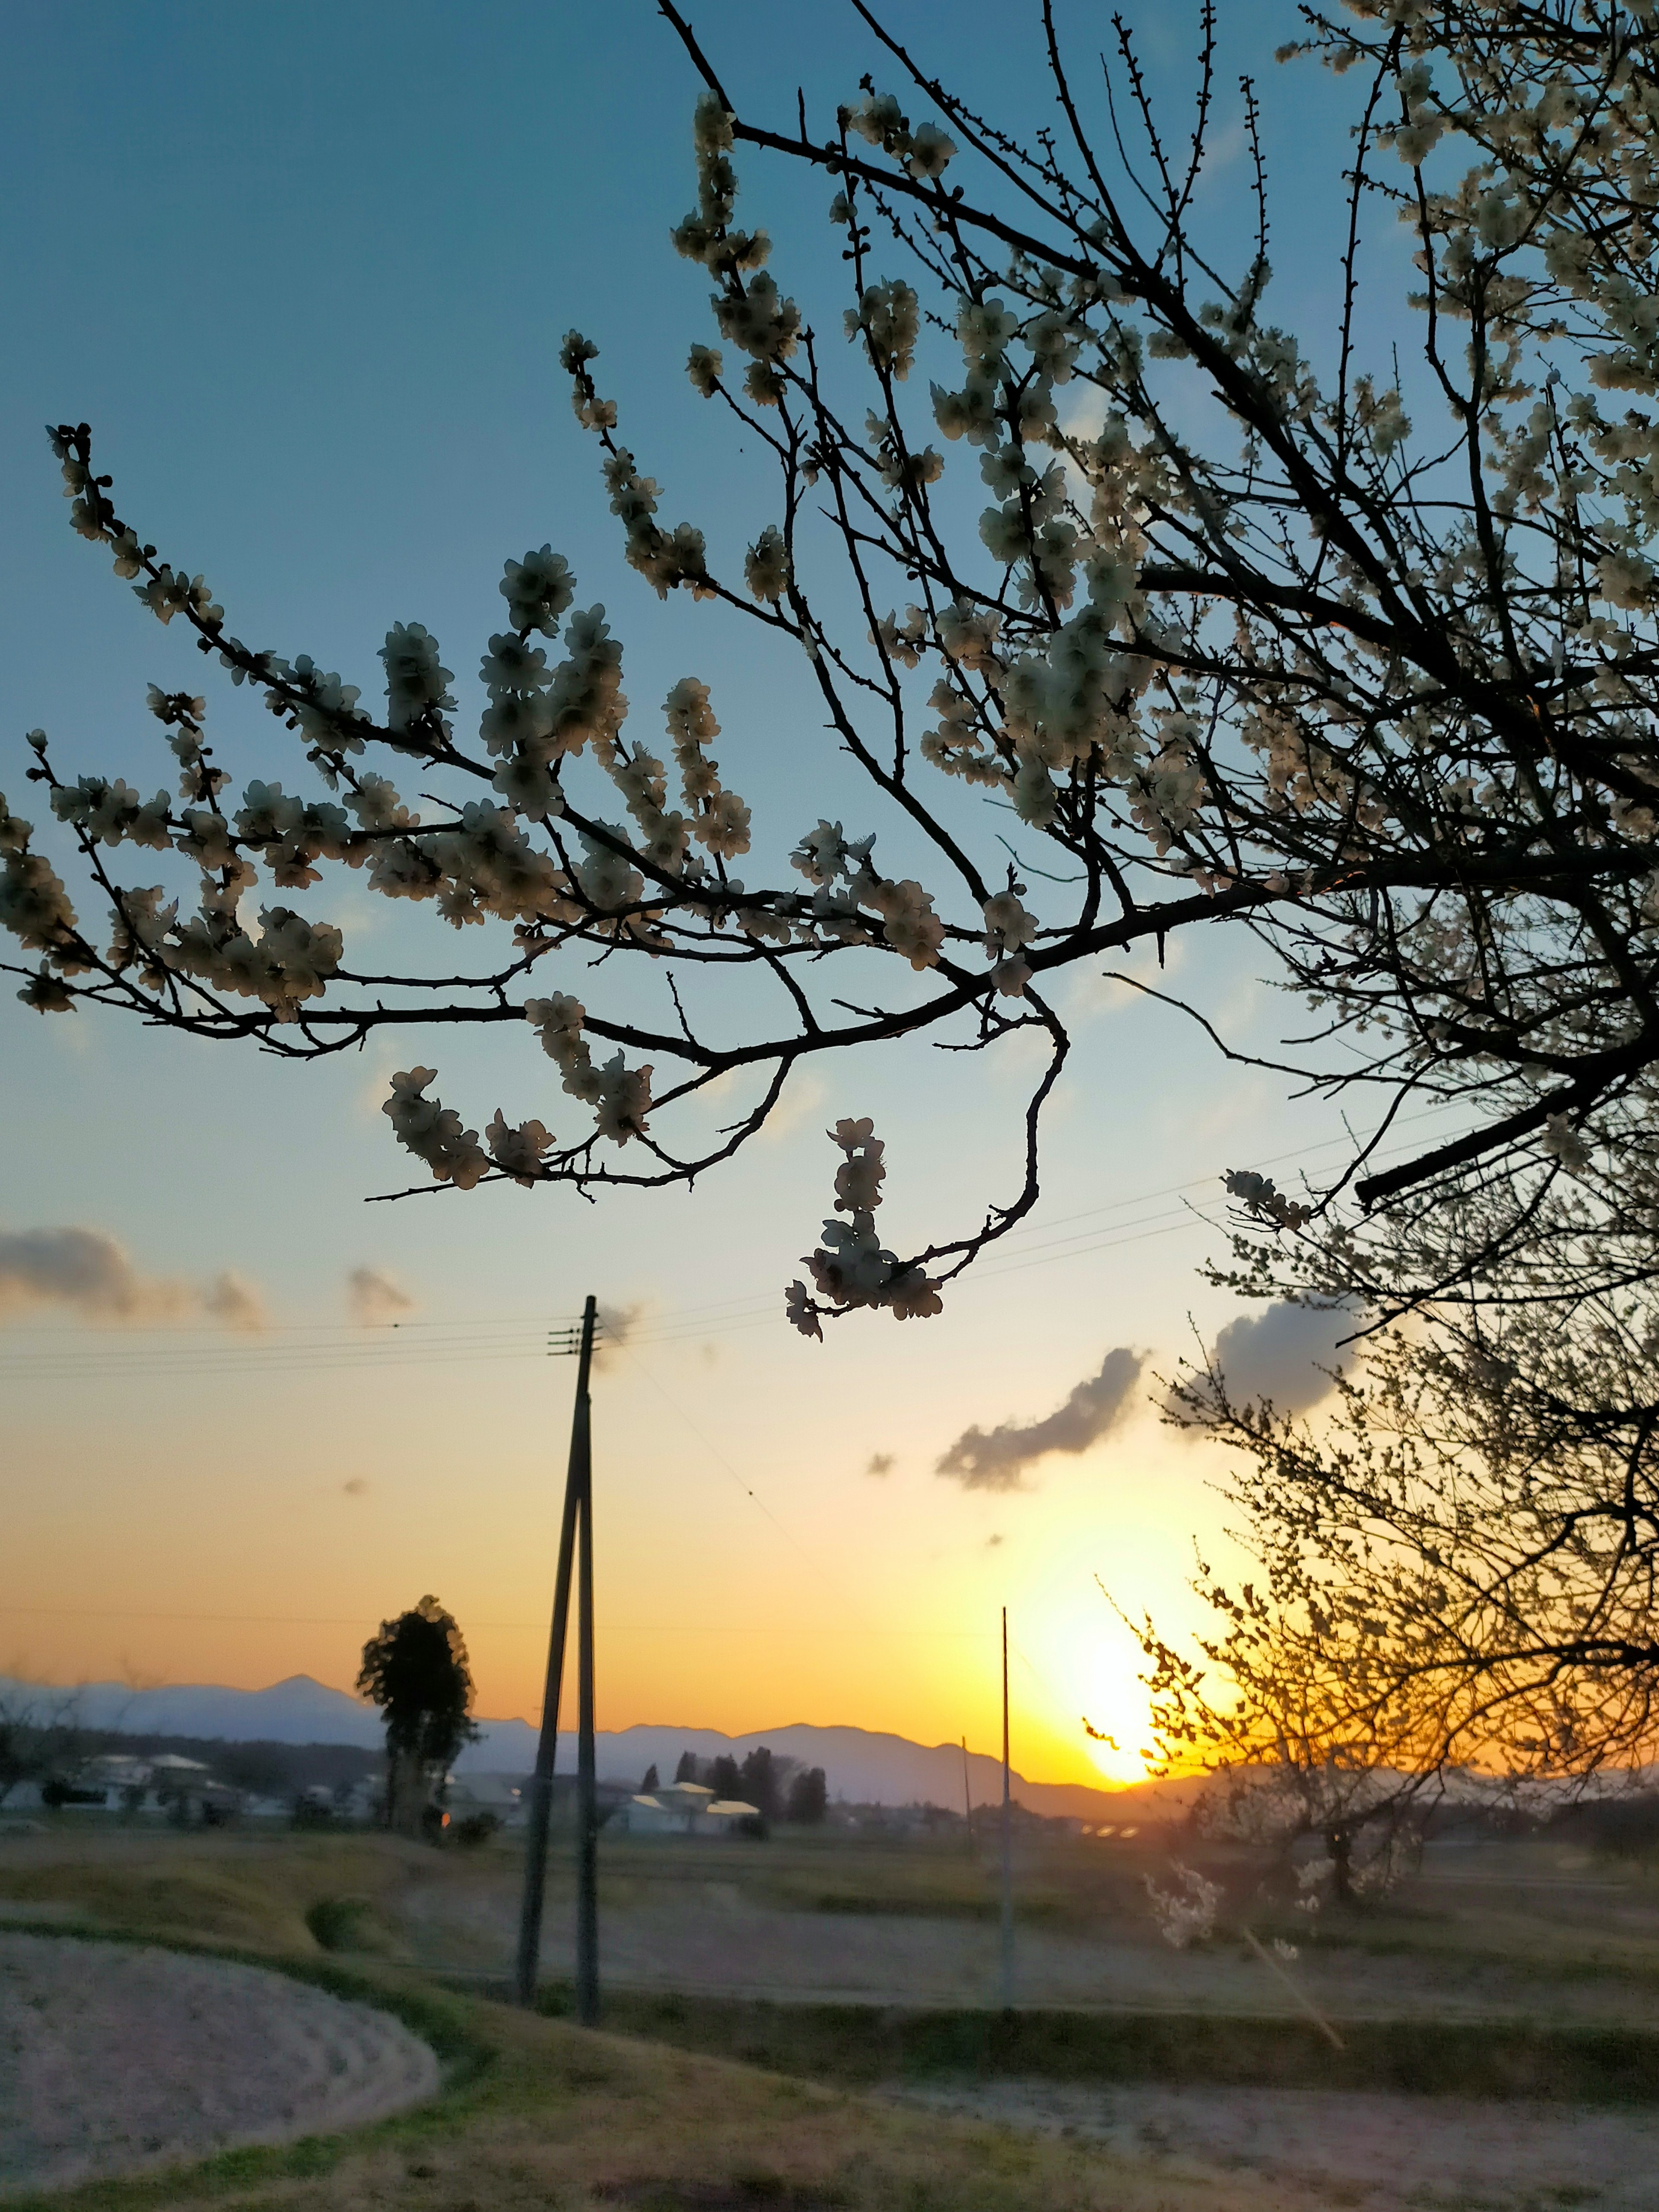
x,y
1100,1669
1122,1722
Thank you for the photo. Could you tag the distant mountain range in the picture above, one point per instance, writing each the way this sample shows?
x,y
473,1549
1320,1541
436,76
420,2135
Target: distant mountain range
x,y
861,1765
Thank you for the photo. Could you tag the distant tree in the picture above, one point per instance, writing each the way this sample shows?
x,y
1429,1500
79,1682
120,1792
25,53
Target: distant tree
x,y
417,1671
809,1798
687,1769
761,1783
40,1735
650,1781
16,1744
726,1777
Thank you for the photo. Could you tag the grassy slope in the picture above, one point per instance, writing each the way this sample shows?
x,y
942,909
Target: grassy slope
x,y
540,2114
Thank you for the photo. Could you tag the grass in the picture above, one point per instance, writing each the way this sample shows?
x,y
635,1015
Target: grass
x,y
861,2045
252,1891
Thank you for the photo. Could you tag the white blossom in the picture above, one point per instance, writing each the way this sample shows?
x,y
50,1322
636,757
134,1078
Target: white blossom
x,y
417,685
1186,1914
621,1097
1563,1143
537,590
703,367
766,568
433,1132
889,316
518,1152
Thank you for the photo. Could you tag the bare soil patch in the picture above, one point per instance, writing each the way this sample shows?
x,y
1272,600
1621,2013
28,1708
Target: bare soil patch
x,y
115,2058
1369,2152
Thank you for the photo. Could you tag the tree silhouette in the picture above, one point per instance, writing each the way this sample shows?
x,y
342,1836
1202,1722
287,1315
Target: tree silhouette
x,y
417,1671
809,1796
763,1781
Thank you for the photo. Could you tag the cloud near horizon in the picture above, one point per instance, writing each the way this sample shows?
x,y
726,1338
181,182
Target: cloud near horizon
x,y
92,1275
998,1459
238,1302
376,1298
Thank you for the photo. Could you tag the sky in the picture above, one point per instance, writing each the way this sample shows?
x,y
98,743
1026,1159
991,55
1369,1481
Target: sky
x,y
306,272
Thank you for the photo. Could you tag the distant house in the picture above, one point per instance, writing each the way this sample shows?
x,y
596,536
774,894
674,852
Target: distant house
x,y
506,1795
268,1809
118,1782
189,1792
113,1782
364,1800
724,1814
681,1808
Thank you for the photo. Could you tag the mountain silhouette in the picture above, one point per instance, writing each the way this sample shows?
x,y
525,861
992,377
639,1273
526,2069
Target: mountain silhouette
x,y
861,1765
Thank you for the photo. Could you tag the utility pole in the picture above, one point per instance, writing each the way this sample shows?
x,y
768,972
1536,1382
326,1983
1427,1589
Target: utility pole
x,y
967,1797
577,1481
1007,1847
587,1810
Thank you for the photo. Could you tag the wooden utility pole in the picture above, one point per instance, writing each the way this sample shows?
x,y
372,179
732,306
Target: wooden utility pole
x,y
578,1483
587,1808
967,1797
1007,1843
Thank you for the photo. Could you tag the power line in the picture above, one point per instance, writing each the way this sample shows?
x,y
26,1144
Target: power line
x,y
339,1350
834,1632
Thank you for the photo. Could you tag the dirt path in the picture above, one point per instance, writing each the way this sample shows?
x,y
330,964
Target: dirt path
x,y
113,2059
1371,2153
708,1937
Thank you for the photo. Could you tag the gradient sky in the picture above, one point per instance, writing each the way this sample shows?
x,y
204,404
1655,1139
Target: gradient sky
x,y
305,270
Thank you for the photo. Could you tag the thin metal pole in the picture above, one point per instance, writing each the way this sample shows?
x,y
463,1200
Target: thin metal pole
x,y
541,1788
966,1798
587,1810
1007,1848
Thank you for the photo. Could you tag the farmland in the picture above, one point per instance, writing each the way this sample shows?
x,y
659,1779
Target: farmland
x,y
1503,2005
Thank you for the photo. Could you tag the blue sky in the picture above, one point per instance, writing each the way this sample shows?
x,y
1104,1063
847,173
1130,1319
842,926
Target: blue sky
x,y
305,271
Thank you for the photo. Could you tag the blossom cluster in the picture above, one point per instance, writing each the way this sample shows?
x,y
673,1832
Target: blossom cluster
x,y
1260,1196
620,1095
1186,1912
852,1268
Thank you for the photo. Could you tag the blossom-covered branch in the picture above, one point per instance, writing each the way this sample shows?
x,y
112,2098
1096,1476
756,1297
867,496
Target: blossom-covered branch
x,y
1381,697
